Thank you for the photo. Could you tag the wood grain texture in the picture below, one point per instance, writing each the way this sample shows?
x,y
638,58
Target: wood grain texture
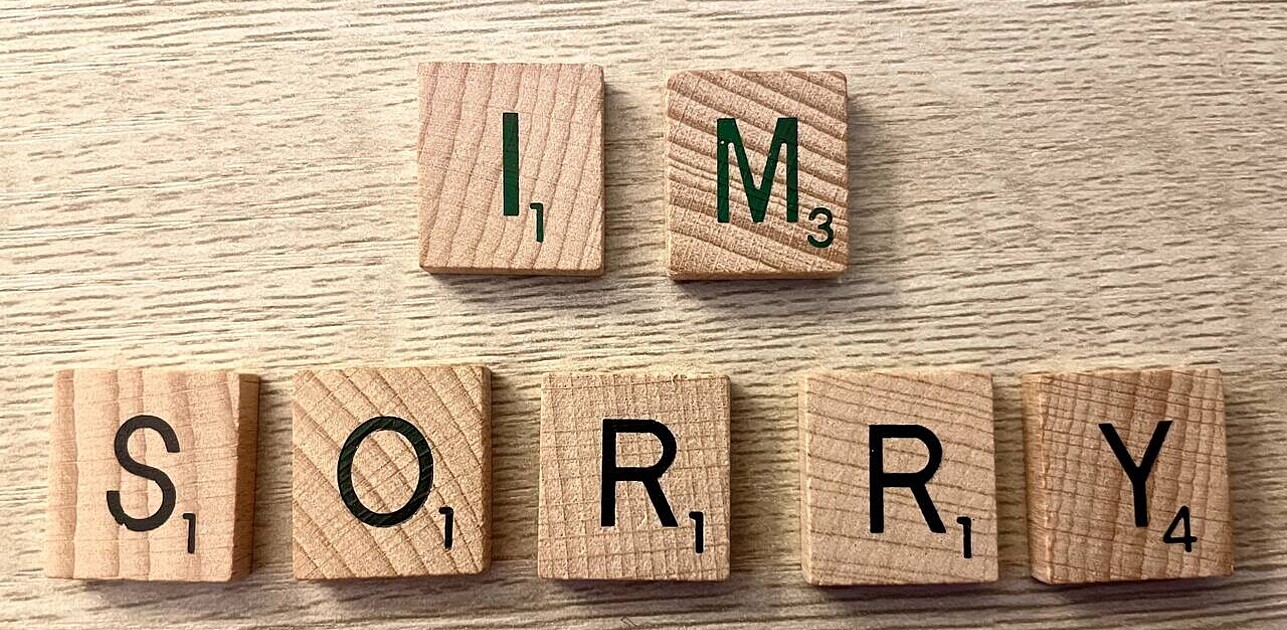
x,y
572,543
1034,187
838,410
698,245
450,408
211,418
559,151
1082,519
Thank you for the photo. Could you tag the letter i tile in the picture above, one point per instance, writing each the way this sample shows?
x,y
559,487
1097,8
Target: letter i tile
x,y
1127,475
511,168
634,481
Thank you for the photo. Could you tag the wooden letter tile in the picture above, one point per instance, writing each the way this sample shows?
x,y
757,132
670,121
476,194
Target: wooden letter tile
x,y
1089,520
151,475
898,479
392,472
511,168
757,180
634,477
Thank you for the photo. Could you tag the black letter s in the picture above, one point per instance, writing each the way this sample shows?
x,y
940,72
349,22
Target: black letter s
x,y
122,448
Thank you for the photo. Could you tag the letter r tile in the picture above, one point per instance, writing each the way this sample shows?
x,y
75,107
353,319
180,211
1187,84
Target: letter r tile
x,y
151,475
757,180
511,168
634,481
1127,475
392,472
898,479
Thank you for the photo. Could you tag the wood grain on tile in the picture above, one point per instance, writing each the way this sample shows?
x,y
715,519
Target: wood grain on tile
x,y
419,484
556,162
699,244
578,412
1086,520
184,487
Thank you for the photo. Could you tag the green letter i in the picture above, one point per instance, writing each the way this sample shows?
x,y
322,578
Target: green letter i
x,y
509,171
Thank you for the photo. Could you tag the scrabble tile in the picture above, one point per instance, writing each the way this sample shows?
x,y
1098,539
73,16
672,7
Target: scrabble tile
x,y
392,472
898,481
151,475
1089,520
511,168
634,477
741,203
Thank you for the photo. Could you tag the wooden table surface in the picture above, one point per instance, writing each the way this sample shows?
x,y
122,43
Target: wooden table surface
x,y
1034,186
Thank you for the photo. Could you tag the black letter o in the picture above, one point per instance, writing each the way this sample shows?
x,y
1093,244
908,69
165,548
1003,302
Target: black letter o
x,y
344,472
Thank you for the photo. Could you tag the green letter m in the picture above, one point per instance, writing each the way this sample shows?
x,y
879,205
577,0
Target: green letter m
x,y
757,197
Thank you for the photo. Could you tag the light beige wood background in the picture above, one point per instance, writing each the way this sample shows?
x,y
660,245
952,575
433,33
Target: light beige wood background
x,y
1034,186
